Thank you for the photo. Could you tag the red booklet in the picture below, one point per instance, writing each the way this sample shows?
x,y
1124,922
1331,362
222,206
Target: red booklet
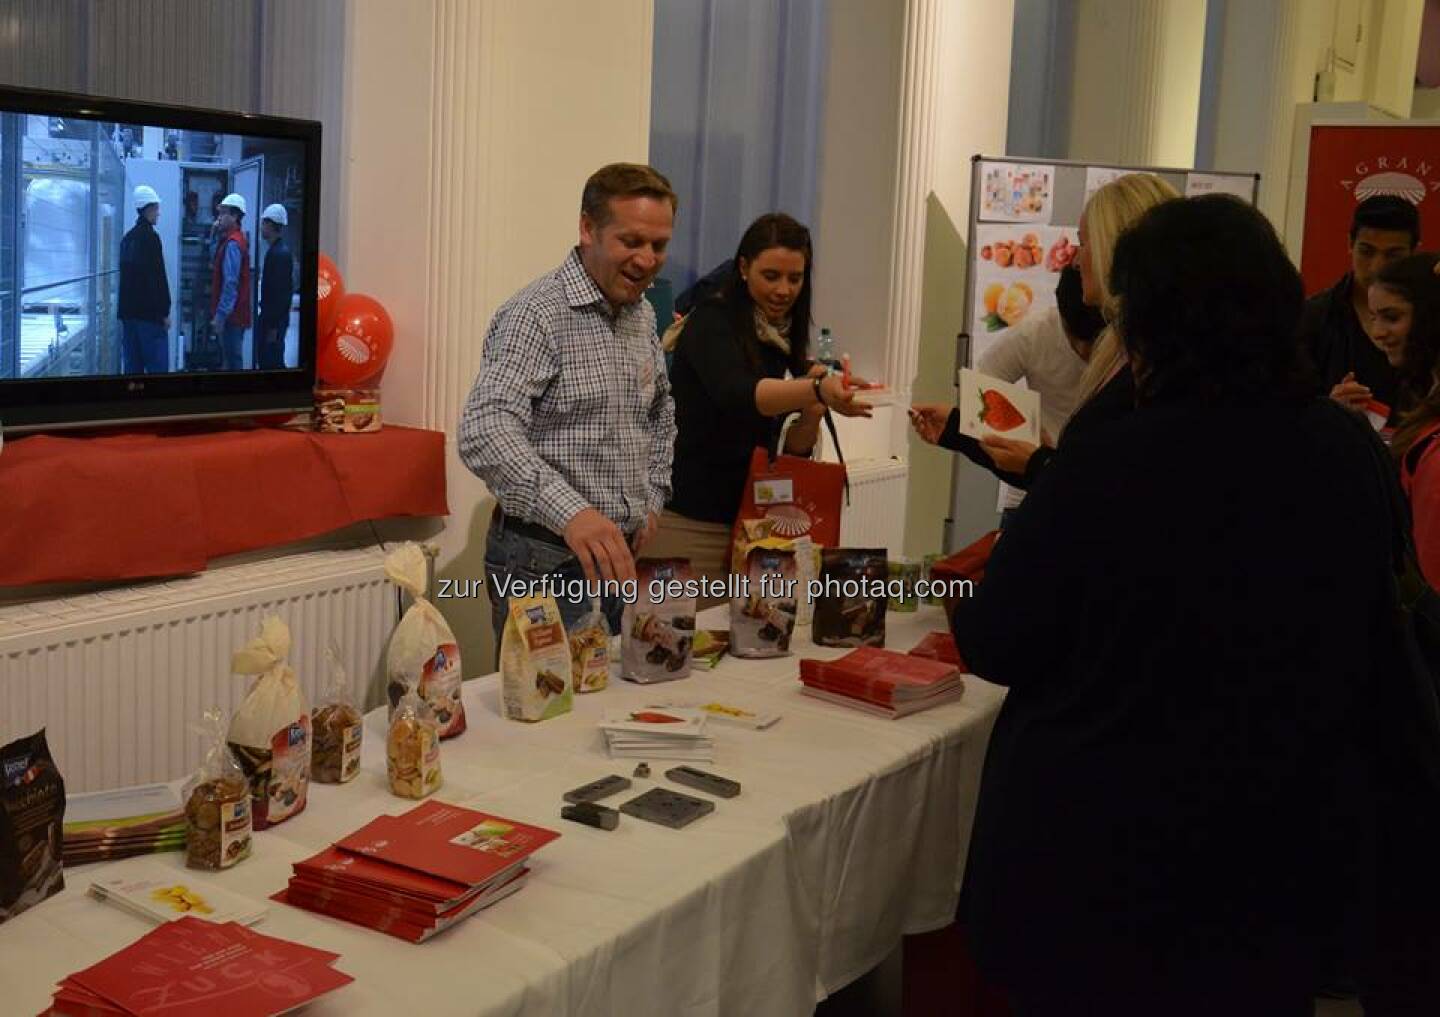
x,y
403,923
449,841
880,676
939,646
193,966
403,886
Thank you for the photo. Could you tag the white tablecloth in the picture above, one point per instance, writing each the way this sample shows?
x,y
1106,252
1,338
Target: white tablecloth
x,y
850,832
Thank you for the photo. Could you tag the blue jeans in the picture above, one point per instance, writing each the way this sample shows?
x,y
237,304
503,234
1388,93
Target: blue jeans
x,y
270,347
142,347
232,349
518,557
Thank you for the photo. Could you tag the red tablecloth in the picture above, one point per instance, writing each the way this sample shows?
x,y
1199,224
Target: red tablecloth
x,y
128,505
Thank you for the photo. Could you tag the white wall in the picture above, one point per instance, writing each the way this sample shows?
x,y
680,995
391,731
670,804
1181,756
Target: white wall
x,y
972,115
855,218
470,127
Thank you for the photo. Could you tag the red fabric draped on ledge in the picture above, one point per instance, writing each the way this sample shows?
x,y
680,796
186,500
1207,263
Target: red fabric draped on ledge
x,y
130,505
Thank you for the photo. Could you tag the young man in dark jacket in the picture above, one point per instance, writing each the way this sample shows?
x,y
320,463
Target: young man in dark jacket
x,y
144,310
1352,370
277,286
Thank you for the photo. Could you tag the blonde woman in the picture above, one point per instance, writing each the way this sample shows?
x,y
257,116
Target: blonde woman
x,y
1107,389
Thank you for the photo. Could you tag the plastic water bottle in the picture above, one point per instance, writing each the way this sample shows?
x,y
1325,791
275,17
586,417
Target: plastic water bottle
x,y
825,350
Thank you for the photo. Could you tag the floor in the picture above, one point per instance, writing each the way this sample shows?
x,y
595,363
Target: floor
x,y
935,978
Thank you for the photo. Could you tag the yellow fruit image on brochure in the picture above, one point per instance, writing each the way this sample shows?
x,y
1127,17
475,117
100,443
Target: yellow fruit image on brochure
x,y
182,899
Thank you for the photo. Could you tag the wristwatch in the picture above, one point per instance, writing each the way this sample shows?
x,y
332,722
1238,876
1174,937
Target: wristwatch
x,y
819,395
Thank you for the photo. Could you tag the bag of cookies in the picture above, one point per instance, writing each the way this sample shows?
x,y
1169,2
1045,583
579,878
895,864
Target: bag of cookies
x,y
763,619
336,727
270,733
590,651
412,749
217,803
850,607
32,814
658,630
423,654
535,664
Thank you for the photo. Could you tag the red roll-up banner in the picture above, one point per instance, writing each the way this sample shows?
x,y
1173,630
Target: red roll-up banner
x,y
1352,162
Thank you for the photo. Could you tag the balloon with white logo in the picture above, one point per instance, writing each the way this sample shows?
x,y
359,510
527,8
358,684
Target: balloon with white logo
x,y
356,350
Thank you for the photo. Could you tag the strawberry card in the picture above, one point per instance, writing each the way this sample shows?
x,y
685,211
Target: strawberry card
x,y
448,841
991,406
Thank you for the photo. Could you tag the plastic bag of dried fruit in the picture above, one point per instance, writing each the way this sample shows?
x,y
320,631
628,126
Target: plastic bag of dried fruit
x,y
412,749
217,802
336,726
270,733
423,654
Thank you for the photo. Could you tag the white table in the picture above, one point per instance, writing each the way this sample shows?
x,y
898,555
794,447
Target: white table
x,y
851,831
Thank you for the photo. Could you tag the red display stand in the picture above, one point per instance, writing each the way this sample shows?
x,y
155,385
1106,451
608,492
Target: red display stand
x,y
141,504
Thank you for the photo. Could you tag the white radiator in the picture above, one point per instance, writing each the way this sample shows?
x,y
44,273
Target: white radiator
x,y
875,516
117,677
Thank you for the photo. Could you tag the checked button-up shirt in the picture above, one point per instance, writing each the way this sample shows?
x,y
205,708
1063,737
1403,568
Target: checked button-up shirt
x,y
572,406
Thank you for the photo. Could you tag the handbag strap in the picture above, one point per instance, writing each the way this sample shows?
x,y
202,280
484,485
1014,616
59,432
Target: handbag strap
x,y
835,438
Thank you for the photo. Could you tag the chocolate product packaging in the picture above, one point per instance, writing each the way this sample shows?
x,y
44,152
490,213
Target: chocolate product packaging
x,y
336,727
423,653
347,410
270,733
590,651
763,620
412,748
217,803
535,664
850,607
32,815
658,630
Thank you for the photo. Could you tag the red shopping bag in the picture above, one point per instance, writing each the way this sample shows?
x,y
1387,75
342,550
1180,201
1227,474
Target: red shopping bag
x,y
797,497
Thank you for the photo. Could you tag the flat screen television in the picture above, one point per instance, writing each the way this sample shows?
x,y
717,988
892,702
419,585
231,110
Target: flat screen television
x,y
130,290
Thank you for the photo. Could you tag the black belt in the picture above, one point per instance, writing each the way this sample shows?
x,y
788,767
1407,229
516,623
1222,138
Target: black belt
x,y
533,530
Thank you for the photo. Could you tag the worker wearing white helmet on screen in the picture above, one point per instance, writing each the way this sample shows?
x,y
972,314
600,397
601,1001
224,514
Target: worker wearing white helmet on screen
x,y
144,309
230,282
277,288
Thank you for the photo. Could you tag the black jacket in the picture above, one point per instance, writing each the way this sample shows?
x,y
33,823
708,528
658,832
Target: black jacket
x,y
1338,344
277,286
144,286
717,425
1178,780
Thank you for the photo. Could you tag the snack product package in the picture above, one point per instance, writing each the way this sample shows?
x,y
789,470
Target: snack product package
x,y
347,410
590,651
850,610
657,633
336,726
217,803
904,581
270,733
762,621
423,654
807,570
32,815
535,667
412,748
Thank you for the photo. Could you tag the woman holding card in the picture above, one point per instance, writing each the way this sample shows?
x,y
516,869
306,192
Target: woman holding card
x,y
1173,811
1105,388
742,368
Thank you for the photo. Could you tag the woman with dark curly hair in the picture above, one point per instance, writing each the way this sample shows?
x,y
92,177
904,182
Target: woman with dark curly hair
x,y
1172,810
1405,325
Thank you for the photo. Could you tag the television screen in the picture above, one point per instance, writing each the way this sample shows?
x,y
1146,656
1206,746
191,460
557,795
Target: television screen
x,y
154,261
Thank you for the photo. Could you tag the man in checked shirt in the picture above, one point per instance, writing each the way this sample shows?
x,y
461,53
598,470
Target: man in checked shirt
x,y
570,423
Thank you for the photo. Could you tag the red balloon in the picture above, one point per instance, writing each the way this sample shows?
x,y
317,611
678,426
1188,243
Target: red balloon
x,y
329,288
357,348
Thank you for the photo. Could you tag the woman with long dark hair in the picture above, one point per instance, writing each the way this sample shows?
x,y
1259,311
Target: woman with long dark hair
x,y
742,367
1175,816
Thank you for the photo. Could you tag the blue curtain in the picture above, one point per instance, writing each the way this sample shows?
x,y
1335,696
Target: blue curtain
x,y
737,96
